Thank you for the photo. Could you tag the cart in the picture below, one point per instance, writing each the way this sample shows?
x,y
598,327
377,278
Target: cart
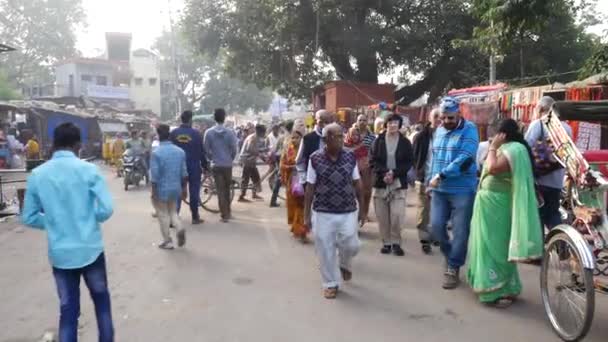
x,y
575,264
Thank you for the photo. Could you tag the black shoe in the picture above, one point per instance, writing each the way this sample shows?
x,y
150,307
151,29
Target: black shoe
x,y
426,248
386,249
197,221
275,205
398,251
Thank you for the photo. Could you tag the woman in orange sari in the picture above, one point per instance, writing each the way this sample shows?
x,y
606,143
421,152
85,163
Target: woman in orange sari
x,y
295,202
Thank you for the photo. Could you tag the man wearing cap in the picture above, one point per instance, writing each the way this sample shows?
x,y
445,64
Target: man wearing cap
x,y
453,183
551,184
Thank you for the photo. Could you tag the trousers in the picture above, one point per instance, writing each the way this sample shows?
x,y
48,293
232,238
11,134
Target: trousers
x,y
390,212
194,193
423,216
167,216
250,172
336,243
223,184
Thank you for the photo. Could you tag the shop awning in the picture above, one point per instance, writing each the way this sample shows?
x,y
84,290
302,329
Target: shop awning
x,y
582,110
113,127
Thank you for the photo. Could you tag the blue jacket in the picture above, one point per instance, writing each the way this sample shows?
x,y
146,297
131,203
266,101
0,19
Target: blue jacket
x,y
191,141
454,155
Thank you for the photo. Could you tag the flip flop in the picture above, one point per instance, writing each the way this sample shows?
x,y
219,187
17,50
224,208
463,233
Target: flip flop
x,y
330,293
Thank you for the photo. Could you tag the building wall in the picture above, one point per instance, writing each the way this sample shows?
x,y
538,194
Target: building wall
x,y
340,94
145,81
84,74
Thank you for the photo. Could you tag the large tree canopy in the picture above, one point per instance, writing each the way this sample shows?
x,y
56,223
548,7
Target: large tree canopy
x,y
291,45
43,31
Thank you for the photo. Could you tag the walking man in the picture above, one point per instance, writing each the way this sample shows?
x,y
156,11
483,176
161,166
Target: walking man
x,y
276,154
550,181
312,142
332,192
221,149
423,157
253,147
191,141
68,198
169,180
453,183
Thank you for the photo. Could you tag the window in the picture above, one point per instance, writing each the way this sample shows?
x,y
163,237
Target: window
x,y
86,78
102,80
139,81
152,82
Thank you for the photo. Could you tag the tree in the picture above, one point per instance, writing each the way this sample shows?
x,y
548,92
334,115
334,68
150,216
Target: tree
x,y
43,31
194,69
597,63
6,91
293,45
235,96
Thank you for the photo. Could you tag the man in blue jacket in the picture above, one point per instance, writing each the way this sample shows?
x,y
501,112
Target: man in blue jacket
x,y
453,183
191,141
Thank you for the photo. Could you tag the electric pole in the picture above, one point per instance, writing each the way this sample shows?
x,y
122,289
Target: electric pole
x,y
177,85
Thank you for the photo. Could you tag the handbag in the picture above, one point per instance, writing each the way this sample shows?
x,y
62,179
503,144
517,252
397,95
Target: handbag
x,y
543,151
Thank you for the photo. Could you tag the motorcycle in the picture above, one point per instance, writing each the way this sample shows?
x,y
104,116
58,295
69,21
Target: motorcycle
x,y
133,169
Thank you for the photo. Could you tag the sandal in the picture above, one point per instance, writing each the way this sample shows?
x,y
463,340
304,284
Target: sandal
x,y
503,303
330,293
346,274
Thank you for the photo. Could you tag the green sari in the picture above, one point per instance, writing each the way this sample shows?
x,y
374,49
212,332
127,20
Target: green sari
x,y
505,227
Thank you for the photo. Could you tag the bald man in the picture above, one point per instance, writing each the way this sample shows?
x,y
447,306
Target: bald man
x,y
330,208
312,142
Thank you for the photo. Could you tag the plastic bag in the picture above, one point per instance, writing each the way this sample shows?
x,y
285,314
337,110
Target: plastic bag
x,y
297,189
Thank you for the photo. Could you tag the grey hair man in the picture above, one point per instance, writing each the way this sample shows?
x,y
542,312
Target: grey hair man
x,y
332,192
312,142
552,183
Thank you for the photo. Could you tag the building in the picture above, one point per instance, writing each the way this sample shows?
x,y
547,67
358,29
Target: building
x,y
145,80
340,94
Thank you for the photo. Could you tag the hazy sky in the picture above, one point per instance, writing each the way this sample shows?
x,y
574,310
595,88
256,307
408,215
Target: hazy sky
x,y
146,19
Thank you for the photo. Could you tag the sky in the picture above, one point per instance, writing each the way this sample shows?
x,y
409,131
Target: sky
x,y
146,19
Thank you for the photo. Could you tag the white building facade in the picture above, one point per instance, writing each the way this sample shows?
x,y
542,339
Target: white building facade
x,y
145,84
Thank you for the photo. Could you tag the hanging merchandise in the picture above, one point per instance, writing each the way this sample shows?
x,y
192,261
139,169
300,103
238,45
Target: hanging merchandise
x,y
480,113
589,136
594,93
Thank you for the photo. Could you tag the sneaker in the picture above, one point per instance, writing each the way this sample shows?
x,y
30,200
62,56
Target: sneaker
x,y
451,278
386,249
167,245
181,238
397,250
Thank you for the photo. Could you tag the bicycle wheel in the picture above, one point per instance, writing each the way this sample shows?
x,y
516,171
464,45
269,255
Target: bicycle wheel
x,y
567,289
208,191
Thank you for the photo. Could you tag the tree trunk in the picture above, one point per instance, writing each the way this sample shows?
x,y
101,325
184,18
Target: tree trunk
x,y
435,79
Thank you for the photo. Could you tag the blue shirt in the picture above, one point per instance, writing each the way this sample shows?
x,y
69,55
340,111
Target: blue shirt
x,y
69,199
191,141
168,168
454,158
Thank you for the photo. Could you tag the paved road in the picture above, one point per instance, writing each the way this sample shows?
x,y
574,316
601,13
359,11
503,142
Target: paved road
x,y
249,281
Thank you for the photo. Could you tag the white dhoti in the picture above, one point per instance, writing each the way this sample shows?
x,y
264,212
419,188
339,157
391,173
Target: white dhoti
x,y
336,238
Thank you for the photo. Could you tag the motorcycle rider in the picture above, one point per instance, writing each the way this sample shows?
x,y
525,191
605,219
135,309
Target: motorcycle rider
x,y
191,141
138,148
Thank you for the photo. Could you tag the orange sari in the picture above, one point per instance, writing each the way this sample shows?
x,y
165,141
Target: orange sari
x,y
295,205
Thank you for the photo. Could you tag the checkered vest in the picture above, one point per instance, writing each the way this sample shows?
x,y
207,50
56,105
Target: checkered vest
x,y
334,190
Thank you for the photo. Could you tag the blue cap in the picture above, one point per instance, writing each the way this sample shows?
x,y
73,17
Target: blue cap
x,y
449,105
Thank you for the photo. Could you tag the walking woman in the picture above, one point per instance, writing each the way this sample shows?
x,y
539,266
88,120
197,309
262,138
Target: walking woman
x,y
289,177
505,227
360,144
391,159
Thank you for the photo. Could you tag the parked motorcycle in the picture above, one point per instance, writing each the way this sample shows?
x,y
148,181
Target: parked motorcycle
x,y
133,169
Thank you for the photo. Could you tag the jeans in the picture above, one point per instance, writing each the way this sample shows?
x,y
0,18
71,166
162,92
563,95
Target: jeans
x,y
194,194
275,190
223,184
458,207
68,289
549,213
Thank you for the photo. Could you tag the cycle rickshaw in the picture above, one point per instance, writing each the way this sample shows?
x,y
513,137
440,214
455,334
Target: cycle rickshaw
x,y
575,264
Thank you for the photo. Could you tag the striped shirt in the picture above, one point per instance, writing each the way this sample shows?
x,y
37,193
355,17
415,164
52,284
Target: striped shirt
x,y
454,156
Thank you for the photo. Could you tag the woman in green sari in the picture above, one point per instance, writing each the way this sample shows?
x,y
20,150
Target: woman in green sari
x,y
505,227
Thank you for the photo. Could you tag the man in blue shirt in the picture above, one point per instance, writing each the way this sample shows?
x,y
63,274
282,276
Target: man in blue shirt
x,y
453,183
69,199
169,179
191,141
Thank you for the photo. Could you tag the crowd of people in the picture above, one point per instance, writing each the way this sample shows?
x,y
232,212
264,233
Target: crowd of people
x,y
331,175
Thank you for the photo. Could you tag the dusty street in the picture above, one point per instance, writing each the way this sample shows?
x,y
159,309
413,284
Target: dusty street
x,y
249,281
